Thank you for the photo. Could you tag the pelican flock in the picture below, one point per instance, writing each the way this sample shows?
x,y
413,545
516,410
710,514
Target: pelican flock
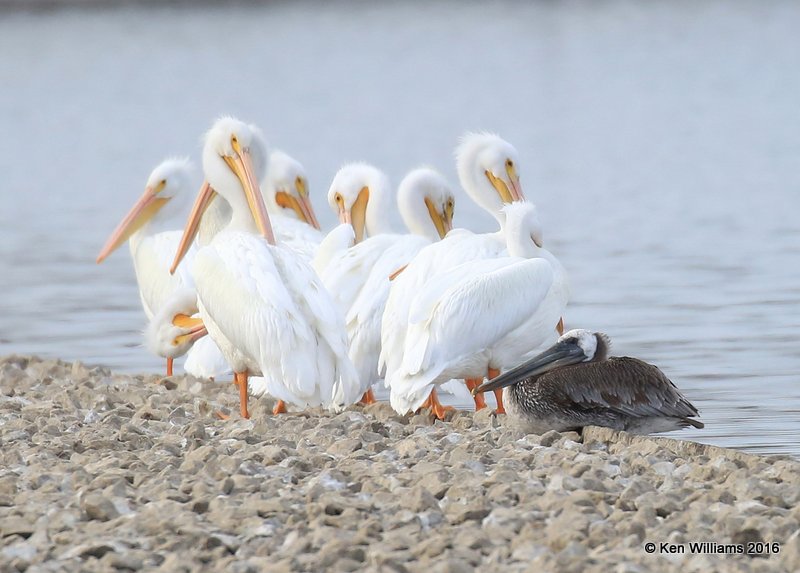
x,y
246,284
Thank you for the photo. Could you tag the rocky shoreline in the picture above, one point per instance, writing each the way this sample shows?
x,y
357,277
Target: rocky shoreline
x,y
109,472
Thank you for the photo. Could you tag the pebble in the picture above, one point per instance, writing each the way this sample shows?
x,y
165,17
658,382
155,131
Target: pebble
x,y
108,472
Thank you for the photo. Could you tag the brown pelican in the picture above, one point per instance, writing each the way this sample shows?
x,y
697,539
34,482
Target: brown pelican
x,y
574,384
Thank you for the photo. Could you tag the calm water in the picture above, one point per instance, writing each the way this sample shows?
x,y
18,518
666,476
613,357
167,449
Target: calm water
x,y
662,144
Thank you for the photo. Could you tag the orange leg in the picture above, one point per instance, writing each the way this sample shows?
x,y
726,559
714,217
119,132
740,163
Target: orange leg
x,y
241,380
435,406
560,326
169,366
368,398
280,408
498,394
480,401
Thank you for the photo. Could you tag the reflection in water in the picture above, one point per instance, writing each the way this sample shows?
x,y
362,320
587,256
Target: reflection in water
x,y
660,143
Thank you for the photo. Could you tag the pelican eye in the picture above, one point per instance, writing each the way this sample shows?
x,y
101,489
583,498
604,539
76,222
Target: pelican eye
x,y
163,182
509,163
338,198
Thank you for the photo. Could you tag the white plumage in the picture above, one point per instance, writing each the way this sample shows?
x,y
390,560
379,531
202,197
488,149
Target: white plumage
x,y
152,228
261,303
359,276
487,170
164,336
480,314
289,205
271,315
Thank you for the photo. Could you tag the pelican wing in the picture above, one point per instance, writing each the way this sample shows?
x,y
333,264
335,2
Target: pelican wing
x,y
459,246
625,385
363,319
244,293
347,271
482,304
336,374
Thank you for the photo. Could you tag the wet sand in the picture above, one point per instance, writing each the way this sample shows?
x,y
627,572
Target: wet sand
x,y
109,472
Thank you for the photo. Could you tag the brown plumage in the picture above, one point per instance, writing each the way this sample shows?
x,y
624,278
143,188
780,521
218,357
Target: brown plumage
x,y
573,384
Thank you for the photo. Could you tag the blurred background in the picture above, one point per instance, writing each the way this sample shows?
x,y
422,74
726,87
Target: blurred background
x,y
659,140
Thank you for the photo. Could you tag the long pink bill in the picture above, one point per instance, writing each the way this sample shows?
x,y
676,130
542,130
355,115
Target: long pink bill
x,y
204,199
144,210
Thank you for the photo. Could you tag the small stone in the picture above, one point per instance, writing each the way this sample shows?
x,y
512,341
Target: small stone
x,y
123,561
549,438
344,447
419,499
98,507
461,512
227,486
15,525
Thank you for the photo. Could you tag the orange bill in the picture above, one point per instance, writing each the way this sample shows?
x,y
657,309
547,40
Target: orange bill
x,y
145,208
441,221
358,213
204,199
242,166
309,216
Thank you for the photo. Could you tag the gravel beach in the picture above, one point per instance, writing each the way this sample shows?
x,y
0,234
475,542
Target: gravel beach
x,y
110,472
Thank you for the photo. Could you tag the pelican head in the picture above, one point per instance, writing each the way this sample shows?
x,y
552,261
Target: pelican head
x,y
234,158
426,203
594,346
165,196
487,168
355,194
173,331
286,189
522,228
573,347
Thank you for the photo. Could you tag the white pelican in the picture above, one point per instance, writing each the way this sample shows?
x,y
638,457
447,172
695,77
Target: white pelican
x,y
363,272
358,195
574,384
487,170
480,315
286,197
152,229
261,303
